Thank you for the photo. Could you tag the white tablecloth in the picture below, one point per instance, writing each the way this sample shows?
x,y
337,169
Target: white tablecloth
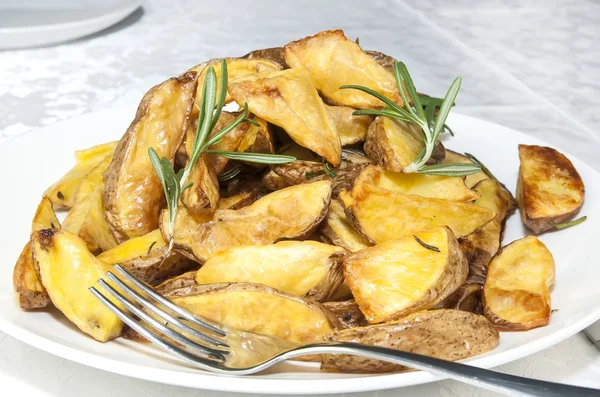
x,y
532,67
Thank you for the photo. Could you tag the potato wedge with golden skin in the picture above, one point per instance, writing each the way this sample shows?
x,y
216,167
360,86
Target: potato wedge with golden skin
x,y
203,196
394,279
348,313
289,213
144,257
62,193
259,309
445,334
30,292
185,280
467,298
238,201
297,267
339,231
67,269
258,139
549,189
288,99
516,294
470,180
133,192
441,187
381,215
332,60
393,144
274,54
87,218
351,129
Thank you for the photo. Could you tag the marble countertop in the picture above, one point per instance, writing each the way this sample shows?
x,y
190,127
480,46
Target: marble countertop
x,y
534,67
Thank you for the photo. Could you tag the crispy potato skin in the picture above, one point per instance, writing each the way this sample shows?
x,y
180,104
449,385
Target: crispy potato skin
x,y
238,201
467,298
274,54
288,99
339,231
185,280
393,144
332,60
67,269
549,190
133,192
516,294
30,292
289,213
394,279
445,334
351,129
380,215
258,308
470,180
300,268
348,313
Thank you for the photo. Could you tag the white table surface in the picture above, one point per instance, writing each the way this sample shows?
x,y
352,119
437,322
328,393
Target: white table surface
x,y
535,68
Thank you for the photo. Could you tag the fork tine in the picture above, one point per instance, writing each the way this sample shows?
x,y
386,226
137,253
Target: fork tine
x,y
202,362
182,312
161,313
205,350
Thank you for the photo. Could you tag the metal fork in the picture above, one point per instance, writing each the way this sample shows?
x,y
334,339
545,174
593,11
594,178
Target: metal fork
x,y
217,348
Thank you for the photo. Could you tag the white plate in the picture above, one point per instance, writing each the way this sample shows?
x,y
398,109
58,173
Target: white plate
x,y
42,22
32,162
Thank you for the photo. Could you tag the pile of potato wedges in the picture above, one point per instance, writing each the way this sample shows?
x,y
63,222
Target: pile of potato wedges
x,y
368,254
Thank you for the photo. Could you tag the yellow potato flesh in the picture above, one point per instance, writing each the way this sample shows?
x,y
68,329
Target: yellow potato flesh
x,y
258,139
99,151
337,228
383,215
516,292
68,269
351,129
294,267
332,60
288,99
404,138
440,187
133,248
470,180
86,218
134,194
259,312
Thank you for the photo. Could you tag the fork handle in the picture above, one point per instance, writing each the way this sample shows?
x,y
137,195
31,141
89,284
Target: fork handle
x,y
487,379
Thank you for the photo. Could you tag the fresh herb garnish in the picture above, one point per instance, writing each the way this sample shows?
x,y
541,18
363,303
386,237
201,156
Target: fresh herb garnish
x,y
483,167
174,184
328,168
313,174
431,126
150,248
425,245
230,174
565,225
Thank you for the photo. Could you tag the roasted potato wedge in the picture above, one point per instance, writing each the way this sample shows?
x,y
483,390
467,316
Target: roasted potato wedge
x,y
381,215
339,231
393,144
297,267
351,129
549,189
238,201
445,334
288,99
30,292
185,280
203,196
516,294
62,193
133,193
402,276
87,218
274,54
332,60
289,213
258,139
348,313
467,297
441,187
67,269
259,309
470,180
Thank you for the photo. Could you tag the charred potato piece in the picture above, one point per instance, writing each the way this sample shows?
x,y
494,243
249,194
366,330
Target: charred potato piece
x,y
445,334
30,292
62,193
348,313
144,257
259,309
297,267
393,144
470,180
441,187
238,201
339,231
351,129
400,277
381,215
549,190
87,218
67,269
288,99
289,213
274,54
467,298
516,294
332,60
133,193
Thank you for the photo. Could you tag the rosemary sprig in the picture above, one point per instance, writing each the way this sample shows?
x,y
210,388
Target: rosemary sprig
x,y
174,184
431,126
565,225
483,167
230,174
425,245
